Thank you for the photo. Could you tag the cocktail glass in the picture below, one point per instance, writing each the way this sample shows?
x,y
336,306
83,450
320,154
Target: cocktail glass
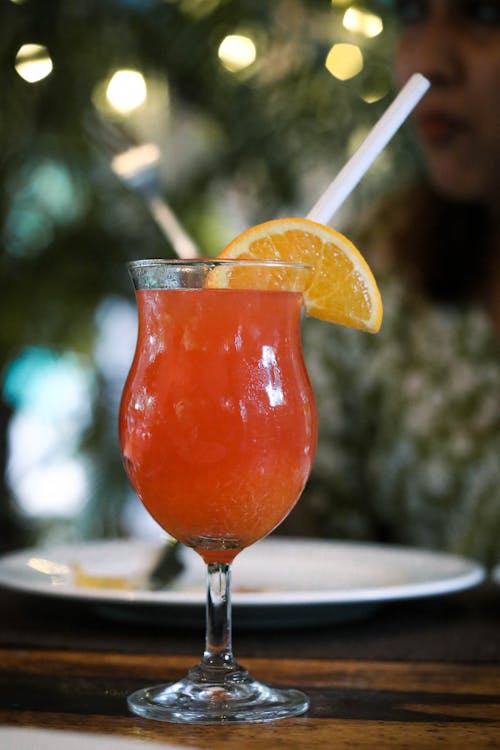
x,y
218,430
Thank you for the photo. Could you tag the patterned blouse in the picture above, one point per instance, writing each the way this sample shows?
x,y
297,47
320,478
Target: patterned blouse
x,y
409,443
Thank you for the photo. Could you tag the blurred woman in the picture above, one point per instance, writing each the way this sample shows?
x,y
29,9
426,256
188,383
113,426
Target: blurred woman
x,y
409,448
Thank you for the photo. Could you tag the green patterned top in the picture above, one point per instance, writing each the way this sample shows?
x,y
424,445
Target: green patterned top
x,y
409,443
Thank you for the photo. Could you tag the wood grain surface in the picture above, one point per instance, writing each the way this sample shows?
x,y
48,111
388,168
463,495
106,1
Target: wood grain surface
x,y
437,686
364,704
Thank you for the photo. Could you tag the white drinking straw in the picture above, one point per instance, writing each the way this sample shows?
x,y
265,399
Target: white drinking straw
x,y
376,140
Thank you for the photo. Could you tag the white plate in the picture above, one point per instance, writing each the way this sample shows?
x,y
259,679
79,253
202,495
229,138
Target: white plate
x,y
278,582
20,738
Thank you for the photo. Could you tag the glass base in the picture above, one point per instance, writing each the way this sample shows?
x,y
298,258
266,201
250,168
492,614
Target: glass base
x,y
197,701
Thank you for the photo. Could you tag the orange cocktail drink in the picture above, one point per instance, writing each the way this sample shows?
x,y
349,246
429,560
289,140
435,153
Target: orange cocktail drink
x,y
218,430
218,422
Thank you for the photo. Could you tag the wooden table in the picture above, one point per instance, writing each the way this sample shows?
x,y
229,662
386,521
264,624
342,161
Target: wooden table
x,y
422,674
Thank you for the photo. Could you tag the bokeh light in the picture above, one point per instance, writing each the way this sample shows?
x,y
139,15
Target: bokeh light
x,y
344,61
126,90
375,94
361,22
33,62
237,52
46,195
52,395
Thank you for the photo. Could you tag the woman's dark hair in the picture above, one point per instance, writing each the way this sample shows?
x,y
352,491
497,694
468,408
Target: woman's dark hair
x,y
441,247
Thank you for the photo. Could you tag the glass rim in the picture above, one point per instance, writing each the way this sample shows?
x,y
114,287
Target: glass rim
x,y
211,263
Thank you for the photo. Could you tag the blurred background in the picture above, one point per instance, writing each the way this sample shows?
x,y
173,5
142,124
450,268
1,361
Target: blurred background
x,y
232,112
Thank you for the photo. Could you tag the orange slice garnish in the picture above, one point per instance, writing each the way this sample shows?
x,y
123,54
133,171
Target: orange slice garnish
x,y
342,288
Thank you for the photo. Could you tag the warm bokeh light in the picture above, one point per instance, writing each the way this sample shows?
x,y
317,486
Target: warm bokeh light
x,y
361,22
344,61
374,95
237,52
126,90
33,62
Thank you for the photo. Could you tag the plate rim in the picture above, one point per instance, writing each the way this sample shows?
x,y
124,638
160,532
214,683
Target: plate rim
x,y
474,574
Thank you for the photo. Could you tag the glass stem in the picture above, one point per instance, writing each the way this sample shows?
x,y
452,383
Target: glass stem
x,y
218,662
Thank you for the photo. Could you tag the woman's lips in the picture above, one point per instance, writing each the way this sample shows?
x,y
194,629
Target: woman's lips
x,y
438,128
